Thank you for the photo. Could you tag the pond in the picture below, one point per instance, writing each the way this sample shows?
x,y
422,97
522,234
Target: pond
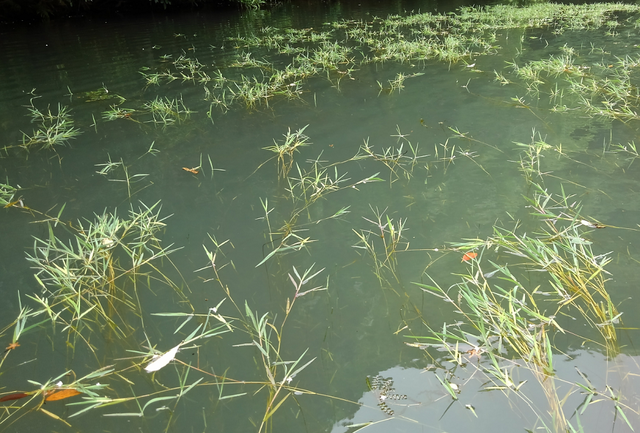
x,y
322,219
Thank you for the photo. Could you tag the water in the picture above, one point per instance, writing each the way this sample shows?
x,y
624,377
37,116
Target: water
x,y
358,326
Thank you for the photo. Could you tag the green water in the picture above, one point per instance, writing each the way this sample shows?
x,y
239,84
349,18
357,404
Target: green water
x,y
460,187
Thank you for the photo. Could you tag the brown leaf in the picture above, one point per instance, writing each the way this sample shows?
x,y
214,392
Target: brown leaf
x,y
62,394
14,396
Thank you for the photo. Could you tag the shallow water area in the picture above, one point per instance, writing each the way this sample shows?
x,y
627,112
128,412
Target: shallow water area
x,y
290,214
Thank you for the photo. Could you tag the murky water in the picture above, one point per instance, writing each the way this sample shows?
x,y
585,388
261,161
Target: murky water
x,y
460,186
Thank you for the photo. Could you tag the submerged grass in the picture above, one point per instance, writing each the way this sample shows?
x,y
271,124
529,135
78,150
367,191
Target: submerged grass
x,y
90,276
54,128
7,194
166,111
518,324
84,280
340,49
511,314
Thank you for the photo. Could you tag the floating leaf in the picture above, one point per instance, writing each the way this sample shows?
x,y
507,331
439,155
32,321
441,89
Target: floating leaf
x,y
469,256
14,396
163,360
62,394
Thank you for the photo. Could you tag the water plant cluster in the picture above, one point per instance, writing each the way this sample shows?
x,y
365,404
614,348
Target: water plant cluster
x,y
524,286
275,63
53,128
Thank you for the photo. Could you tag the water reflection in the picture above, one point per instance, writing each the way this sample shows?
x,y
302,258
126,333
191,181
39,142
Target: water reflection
x,y
480,406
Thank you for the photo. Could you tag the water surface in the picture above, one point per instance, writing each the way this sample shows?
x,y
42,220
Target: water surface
x,y
462,185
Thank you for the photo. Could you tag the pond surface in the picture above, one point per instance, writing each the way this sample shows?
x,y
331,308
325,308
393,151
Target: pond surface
x,y
395,168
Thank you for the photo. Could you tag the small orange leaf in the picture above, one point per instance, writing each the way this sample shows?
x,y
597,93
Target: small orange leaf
x,y
12,346
191,170
469,256
62,394
14,396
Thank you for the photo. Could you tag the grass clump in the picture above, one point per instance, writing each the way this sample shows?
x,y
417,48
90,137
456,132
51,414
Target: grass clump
x,y
577,274
167,112
55,128
512,313
286,150
7,193
90,281
509,316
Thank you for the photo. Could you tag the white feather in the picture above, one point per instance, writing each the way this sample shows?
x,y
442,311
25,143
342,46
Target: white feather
x,y
162,360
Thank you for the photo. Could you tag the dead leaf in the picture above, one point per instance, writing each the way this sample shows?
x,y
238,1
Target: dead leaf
x,y
14,396
62,394
469,256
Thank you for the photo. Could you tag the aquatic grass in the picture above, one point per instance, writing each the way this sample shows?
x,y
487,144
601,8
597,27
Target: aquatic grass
x,y
246,60
167,112
496,323
577,273
285,151
84,279
206,329
305,185
52,390
396,84
506,328
20,325
511,313
607,89
316,183
562,250
252,4
221,101
558,17
447,153
400,160
289,238
303,191
280,382
251,91
450,38
313,184
629,150
502,320
100,94
7,193
114,112
157,78
268,337
189,69
55,128
391,235
330,55
110,167
531,156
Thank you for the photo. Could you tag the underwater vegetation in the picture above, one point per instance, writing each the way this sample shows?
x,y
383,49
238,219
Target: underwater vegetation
x,y
497,311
